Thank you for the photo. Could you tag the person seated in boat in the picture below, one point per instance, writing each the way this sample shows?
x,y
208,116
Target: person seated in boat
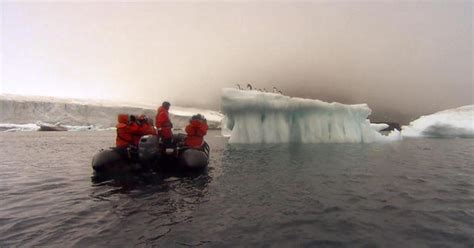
x,y
127,131
163,123
196,130
146,125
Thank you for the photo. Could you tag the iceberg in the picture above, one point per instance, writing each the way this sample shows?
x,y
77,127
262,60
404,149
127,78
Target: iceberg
x,y
457,122
379,126
260,117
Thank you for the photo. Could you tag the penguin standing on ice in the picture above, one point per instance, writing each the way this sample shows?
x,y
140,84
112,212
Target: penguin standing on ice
x,y
275,90
249,87
238,87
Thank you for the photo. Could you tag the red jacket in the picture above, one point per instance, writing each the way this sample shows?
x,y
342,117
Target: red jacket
x,y
163,123
148,129
144,129
196,131
126,133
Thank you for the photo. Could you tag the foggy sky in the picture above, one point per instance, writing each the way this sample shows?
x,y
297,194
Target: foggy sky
x,y
403,58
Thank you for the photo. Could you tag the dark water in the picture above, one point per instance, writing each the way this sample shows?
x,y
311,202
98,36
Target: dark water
x,y
414,193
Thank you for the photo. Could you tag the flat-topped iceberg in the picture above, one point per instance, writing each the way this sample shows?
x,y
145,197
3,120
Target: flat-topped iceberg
x,y
260,117
457,122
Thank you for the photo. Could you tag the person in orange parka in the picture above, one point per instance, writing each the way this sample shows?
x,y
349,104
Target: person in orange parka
x,y
144,129
146,126
196,130
127,130
163,123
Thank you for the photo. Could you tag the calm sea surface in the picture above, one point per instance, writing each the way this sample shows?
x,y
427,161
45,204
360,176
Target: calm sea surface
x,y
413,193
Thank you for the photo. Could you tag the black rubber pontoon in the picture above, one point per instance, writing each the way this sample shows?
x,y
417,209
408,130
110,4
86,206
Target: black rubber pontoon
x,y
152,155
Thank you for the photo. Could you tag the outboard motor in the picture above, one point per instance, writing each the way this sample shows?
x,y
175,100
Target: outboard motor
x,y
148,148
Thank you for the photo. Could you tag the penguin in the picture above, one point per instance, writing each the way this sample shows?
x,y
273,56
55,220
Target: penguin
x,y
275,90
249,86
238,86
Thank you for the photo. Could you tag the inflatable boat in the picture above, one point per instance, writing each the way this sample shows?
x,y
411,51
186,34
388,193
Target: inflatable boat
x,y
154,155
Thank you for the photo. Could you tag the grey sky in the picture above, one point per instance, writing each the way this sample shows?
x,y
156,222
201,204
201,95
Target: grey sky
x,y
403,58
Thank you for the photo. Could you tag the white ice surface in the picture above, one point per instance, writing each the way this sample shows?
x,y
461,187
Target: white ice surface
x,y
9,127
379,126
210,115
259,117
79,114
457,122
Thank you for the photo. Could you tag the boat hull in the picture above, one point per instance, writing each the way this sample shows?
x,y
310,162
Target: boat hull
x,y
152,155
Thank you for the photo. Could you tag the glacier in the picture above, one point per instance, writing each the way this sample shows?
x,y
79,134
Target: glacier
x,y
457,122
261,117
11,127
23,113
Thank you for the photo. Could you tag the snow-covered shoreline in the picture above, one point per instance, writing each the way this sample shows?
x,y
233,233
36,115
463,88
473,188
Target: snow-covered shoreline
x,y
21,113
11,127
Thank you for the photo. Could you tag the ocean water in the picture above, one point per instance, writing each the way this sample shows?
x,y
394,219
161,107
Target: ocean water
x,y
412,193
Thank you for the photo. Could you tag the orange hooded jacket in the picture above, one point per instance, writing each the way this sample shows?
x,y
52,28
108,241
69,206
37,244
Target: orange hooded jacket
x,y
126,132
145,129
148,129
163,123
196,131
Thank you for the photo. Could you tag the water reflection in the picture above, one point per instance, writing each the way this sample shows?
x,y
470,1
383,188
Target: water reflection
x,y
146,209
156,201
160,182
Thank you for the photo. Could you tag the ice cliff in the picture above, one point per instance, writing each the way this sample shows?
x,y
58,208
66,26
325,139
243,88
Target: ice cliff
x,y
260,117
21,113
457,122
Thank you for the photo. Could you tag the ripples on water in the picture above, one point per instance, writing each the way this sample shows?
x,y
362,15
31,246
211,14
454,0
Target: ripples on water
x,y
414,193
